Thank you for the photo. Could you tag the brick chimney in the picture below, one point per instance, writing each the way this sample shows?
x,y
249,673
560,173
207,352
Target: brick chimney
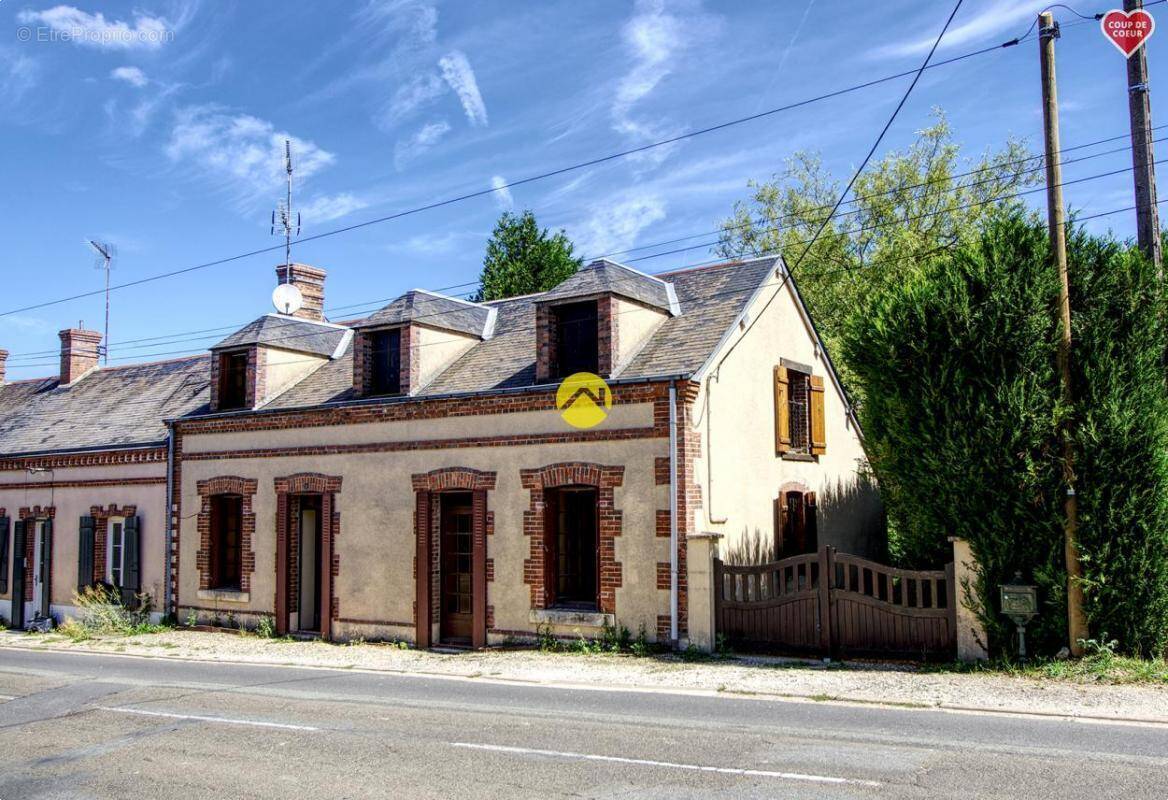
x,y
3,365
78,353
310,282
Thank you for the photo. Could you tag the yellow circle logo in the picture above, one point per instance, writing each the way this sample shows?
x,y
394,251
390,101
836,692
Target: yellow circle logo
x,y
584,400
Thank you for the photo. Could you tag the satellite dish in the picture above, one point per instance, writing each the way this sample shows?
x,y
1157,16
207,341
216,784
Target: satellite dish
x,y
287,299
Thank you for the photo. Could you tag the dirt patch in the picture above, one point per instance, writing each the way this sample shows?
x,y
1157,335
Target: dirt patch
x,y
885,684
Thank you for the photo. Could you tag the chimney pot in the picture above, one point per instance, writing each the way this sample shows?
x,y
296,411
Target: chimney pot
x,y
310,282
79,352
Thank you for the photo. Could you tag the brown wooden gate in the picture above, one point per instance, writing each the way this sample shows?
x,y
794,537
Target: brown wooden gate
x,y
862,609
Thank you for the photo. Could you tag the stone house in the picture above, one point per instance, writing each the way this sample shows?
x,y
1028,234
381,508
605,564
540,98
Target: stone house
x,y
83,478
440,472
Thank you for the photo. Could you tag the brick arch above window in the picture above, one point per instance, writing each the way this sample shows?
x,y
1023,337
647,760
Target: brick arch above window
x,y
308,483
38,512
453,478
572,473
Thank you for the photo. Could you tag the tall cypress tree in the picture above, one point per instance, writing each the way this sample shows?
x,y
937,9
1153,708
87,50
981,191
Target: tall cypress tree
x,y
522,259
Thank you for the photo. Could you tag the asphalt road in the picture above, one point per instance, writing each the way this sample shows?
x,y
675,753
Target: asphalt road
x,y
76,725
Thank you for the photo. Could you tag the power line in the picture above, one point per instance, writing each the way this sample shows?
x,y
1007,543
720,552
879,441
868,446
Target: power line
x,y
530,179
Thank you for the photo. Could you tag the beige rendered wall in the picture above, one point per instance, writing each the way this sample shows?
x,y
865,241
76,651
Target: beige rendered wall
x,y
635,323
437,350
285,368
376,543
73,502
740,473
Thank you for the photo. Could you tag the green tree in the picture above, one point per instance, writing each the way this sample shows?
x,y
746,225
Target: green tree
x,y
962,412
522,259
905,206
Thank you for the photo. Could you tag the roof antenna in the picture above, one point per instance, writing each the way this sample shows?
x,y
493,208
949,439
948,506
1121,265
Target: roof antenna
x,y
283,218
106,253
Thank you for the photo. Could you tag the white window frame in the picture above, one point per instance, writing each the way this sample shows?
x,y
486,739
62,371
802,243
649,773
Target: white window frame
x,y
109,551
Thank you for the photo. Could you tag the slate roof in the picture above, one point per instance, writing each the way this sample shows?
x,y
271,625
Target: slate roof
x,y
110,407
287,333
604,276
709,299
437,311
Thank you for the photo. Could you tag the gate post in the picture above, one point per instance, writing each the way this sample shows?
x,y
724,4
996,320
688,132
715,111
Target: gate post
x,y
826,578
701,571
971,633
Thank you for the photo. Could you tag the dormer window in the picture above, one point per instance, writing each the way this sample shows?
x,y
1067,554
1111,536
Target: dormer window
x,y
577,336
385,358
233,380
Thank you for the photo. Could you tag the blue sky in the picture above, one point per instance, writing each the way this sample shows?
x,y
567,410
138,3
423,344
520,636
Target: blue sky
x,y
159,126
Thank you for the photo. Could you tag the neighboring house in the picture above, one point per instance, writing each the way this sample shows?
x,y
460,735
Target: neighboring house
x,y
410,475
83,478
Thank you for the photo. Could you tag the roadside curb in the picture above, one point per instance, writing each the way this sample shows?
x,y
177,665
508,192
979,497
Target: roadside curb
x,y
675,690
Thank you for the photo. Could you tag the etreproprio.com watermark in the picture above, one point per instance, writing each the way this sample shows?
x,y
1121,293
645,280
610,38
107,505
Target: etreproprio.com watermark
x,y
104,36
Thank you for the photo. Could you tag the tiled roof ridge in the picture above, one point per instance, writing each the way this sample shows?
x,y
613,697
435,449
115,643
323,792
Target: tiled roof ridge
x,y
105,368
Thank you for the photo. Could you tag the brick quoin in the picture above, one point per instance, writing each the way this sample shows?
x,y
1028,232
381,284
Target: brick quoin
x,y
246,488
604,479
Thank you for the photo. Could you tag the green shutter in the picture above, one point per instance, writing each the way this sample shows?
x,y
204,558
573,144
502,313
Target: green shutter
x,y
17,620
3,555
132,572
85,537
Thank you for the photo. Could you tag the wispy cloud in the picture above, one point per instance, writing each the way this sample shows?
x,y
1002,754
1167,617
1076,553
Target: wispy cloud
x,y
406,150
18,74
241,154
457,71
654,38
131,75
411,97
24,323
328,207
69,24
993,18
614,224
503,198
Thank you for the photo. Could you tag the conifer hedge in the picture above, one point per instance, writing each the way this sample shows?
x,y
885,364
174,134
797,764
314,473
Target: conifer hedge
x,y
958,368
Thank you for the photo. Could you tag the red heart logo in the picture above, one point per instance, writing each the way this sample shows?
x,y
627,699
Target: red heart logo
x,y
1127,31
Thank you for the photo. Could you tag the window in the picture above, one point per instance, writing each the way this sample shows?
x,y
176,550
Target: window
x,y
796,531
232,381
226,531
573,544
115,569
576,338
799,412
385,369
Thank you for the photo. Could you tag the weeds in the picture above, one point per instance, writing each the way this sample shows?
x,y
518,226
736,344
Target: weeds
x,y
266,627
102,613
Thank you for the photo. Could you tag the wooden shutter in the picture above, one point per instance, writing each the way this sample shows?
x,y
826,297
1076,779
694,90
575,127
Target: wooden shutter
x,y
3,555
782,410
85,536
818,425
131,555
551,535
18,583
46,568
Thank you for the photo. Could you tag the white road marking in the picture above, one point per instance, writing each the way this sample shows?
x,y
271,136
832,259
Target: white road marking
x,y
198,718
644,762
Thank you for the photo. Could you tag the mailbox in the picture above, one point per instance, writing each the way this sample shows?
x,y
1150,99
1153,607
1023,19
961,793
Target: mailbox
x,y
1020,604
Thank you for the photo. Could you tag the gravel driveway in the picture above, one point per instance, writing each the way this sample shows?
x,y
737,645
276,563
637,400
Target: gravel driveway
x,y
884,684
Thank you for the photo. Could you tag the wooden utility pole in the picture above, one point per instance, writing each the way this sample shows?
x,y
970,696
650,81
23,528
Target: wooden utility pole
x,y
1048,32
1143,157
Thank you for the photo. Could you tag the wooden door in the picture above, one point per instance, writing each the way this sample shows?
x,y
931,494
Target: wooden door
x,y
456,516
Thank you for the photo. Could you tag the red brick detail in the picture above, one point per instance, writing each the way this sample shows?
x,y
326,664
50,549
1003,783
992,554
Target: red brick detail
x,y
490,570
411,359
661,470
310,282
101,516
34,513
453,479
545,343
663,523
289,489
606,334
228,484
546,337
80,351
409,353
108,458
663,627
256,380
663,575
423,408
490,617
605,479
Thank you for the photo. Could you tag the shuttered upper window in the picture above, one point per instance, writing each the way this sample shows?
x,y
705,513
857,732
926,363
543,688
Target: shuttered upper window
x,y
799,415
385,361
232,381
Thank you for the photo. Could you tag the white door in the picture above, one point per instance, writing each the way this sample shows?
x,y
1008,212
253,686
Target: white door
x,y
38,578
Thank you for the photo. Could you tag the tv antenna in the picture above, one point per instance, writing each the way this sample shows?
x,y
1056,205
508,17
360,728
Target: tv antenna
x,y
284,219
106,253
